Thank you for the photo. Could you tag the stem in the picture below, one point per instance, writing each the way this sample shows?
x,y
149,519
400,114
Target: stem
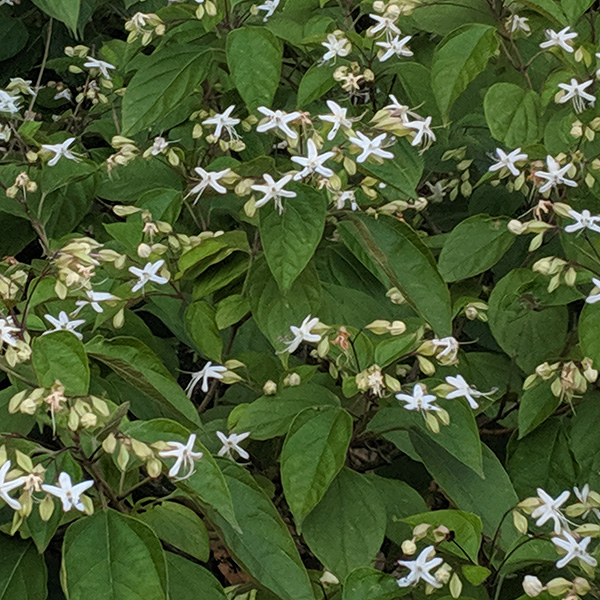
x,y
29,114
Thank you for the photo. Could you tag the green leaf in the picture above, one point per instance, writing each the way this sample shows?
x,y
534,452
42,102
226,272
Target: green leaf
x,y
313,454
315,83
291,238
575,9
180,527
583,442
137,364
231,310
458,60
264,547
254,59
366,583
536,405
14,37
202,329
392,251
22,570
66,11
511,112
474,246
475,574
110,556
447,15
157,89
270,416
589,325
61,356
187,580
346,529
549,9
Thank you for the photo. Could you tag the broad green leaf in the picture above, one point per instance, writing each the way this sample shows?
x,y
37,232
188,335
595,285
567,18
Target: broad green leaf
x,y
313,454
202,329
110,556
137,364
254,59
66,11
290,239
589,326
264,547
231,310
60,356
366,583
315,83
171,75
575,9
583,442
535,406
180,527
188,580
13,423
22,570
460,57
549,9
346,529
270,416
474,246
392,251
511,112
447,15
14,36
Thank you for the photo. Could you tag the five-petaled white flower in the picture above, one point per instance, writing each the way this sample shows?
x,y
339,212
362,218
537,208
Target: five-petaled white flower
x,y
63,323
463,390
336,47
147,274
208,371
102,66
591,299
555,175
516,23
424,132
549,509
184,456
449,348
231,444
345,196
370,146
8,331
385,25
209,179
395,46
420,569
60,150
576,92
313,162
224,121
419,400
574,550
278,119
273,190
560,39
269,6
8,486
93,299
69,494
64,95
303,334
583,220
9,103
337,117
507,161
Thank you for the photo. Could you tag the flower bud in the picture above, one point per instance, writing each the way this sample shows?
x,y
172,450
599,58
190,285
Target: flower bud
x,y
455,586
269,388
408,547
559,586
154,467
520,522
109,445
532,586
515,226
123,458
46,508
293,379
420,531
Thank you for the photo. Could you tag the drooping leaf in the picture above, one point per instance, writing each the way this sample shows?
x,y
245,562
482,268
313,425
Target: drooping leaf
x,y
66,11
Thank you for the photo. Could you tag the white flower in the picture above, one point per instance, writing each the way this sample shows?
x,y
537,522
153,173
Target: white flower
x,y
420,569
60,150
208,371
303,334
370,146
555,175
336,47
561,39
337,117
93,299
147,274
343,197
313,162
532,586
63,323
463,390
102,66
8,2
583,493
7,332
184,455
273,190
21,85
591,299
424,132
278,119
224,121
438,191
269,6
231,444
384,25
507,161
397,109
159,145
8,486
63,95
419,400
209,179
576,92
516,23
395,46
583,220
9,103
449,348
69,494
574,550
549,510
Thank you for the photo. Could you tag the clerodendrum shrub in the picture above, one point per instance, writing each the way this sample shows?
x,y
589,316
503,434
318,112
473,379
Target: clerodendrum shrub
x,y
299,300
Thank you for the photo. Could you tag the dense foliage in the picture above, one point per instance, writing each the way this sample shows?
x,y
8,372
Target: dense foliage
x,y
300,300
